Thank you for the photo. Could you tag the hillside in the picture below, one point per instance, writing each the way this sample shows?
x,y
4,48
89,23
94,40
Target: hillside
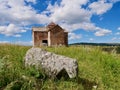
x,y
96,44
97,69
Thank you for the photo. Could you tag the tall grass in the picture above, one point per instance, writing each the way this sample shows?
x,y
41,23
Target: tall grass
x,y
95,65
98,70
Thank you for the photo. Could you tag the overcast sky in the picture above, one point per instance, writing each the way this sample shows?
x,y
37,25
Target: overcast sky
x,y
85,20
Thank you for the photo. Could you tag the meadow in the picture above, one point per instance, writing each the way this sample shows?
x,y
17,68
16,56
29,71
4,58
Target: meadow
x,y
98,70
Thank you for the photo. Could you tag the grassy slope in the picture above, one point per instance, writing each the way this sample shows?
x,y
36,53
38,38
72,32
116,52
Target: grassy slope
x,y
95,67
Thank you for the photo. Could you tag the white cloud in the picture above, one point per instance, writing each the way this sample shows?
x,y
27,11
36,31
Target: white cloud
x,y
73,36
33,1
26,43
102,32
118,33
114,38
23,30
15,15
85,26
16,11
114,1
88,27
4,42
91,39
69,12
100,7
17,35
71,16
11,30
118,28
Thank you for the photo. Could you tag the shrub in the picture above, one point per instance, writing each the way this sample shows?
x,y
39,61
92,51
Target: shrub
x,y
118,49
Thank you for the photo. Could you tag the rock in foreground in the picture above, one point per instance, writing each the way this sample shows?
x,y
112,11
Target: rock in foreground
x,y
51,63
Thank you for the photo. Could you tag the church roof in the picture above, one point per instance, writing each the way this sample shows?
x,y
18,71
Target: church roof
x,y
40,29
51,25
47,28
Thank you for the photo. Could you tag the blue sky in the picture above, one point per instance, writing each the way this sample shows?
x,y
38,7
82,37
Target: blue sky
x,y
85,20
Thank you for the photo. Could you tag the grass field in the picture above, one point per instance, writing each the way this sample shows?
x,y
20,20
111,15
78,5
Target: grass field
x,y
98,70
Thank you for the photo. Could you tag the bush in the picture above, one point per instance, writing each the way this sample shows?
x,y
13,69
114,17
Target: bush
x,y
118,49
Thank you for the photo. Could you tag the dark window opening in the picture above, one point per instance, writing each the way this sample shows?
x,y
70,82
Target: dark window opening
x,y
45,42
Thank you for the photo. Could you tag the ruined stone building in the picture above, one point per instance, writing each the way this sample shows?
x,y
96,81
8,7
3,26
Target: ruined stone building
x,y
51,35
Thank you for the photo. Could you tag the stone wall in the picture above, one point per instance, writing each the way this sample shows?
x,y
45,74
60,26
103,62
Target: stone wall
x,y
57,37
39,36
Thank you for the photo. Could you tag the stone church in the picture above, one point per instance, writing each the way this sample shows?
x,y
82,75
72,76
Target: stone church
x,y
51,35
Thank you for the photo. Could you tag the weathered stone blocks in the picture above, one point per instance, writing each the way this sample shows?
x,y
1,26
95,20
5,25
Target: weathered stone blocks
x,y
51,63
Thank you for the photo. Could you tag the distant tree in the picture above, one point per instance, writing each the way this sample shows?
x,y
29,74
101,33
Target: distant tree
x,y
118,49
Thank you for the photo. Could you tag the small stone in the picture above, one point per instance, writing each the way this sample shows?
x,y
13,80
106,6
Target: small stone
x,y
95,86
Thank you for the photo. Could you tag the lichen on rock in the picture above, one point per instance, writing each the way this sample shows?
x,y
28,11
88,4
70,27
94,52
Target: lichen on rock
x,y
51,63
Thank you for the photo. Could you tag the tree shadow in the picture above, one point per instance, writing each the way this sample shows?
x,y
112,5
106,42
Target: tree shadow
x,y
87,85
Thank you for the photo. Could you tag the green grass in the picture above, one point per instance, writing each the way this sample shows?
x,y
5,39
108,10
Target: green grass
x,y
95,68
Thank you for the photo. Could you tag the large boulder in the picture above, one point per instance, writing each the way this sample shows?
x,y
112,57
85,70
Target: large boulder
x,y
53,65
